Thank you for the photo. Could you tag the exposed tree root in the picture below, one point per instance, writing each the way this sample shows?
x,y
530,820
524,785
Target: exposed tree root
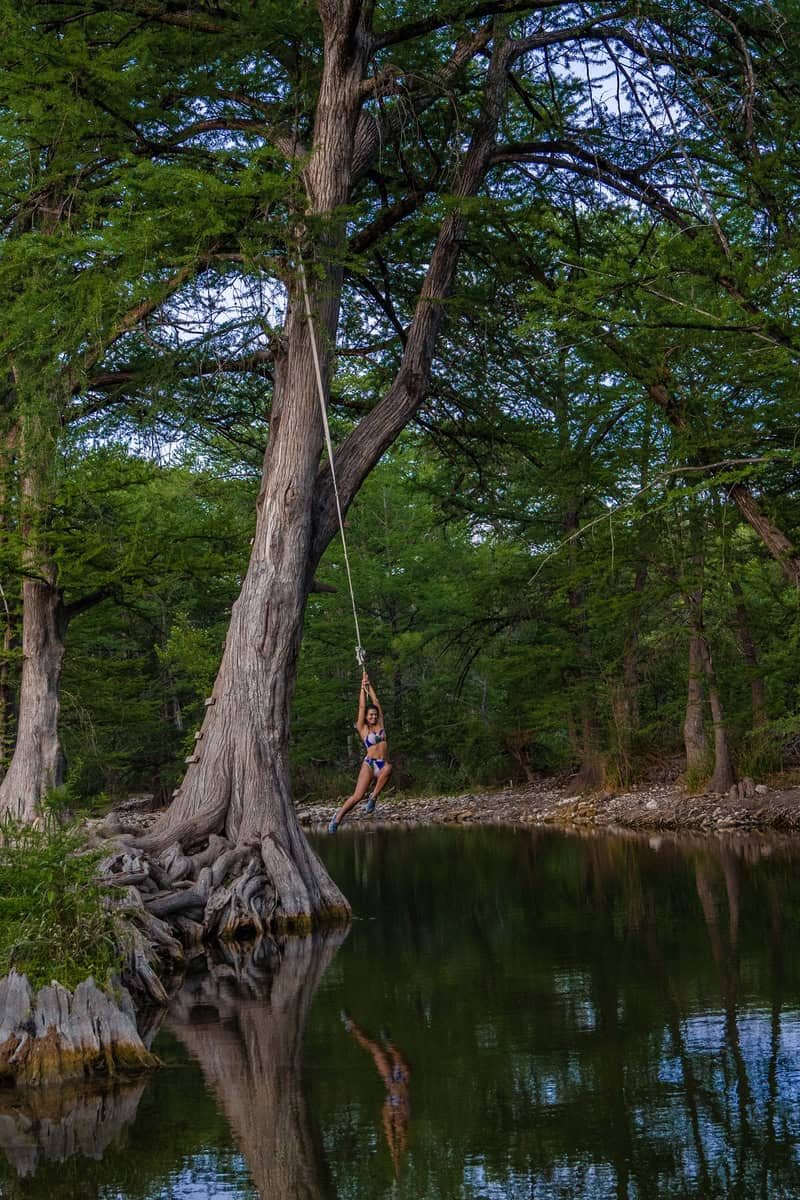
x,y
177,898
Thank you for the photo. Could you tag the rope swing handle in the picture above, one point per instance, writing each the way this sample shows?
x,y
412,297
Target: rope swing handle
x,y
361,656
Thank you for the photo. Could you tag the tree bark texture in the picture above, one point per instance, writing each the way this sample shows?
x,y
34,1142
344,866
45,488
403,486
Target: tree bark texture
x,y
37,764
10,601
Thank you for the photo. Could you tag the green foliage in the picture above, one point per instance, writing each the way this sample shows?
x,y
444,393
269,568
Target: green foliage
x,y
166,548
619,351
53,920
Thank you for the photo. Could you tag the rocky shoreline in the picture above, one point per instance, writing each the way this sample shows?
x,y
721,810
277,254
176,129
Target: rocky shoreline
x,y
664,807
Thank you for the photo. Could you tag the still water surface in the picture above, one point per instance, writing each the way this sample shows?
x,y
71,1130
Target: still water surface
x,y
511,1015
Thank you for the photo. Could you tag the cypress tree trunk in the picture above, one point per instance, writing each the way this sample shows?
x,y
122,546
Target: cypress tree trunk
x,y
233,813
9,604
8,707
701,665
37,764
239,785
590,770
724,775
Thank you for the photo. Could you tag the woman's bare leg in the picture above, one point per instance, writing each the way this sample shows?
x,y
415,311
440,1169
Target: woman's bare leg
x,y
362,786
382,779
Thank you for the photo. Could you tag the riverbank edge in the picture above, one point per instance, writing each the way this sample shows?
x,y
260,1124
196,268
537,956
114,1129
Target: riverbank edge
x,y
649,809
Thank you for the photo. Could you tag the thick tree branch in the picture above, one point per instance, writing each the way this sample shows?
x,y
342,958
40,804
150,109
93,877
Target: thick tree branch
x,y
595,166
373,132
89,601
381,426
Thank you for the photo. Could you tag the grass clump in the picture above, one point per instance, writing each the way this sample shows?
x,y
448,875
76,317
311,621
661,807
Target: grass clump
x,y
53,920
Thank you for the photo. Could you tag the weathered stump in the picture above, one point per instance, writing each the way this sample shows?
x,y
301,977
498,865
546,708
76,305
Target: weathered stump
x,y
57,1035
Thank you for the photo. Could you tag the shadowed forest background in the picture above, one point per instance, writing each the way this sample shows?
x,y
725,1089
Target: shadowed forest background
x,y
492,649
578,557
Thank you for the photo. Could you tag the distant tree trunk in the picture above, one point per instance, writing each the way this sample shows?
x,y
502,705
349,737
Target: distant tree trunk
x,y
590,769
630,660
37,765
625,697
8,705
694,734
517,742
724,775
757,691
9,603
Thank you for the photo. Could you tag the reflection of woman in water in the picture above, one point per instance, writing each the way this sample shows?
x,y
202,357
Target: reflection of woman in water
x,y
376,768
396,1075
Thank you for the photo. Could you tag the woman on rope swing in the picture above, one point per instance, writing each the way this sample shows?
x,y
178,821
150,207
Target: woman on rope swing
x,y
376,768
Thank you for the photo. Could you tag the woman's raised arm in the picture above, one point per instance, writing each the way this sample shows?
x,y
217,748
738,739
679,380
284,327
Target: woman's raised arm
x,y
362,701
373,697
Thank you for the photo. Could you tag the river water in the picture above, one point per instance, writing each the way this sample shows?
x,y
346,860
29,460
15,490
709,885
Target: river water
x,y
512,1014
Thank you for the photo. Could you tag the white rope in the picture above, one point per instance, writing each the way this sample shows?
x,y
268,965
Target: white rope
x,y
361,656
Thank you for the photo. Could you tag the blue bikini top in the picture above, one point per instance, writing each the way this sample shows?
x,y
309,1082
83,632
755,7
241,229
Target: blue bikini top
x,y
374,739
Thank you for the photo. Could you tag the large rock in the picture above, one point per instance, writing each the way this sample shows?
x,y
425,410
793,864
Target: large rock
x,y
59,1035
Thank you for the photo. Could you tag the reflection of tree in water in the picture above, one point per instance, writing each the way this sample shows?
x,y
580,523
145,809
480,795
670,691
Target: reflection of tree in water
x,y
53,1123
243,1022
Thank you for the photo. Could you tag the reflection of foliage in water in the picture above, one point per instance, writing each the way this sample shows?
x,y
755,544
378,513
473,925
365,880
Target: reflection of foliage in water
x,y
582,1018
241,1019
177,1127
585,1018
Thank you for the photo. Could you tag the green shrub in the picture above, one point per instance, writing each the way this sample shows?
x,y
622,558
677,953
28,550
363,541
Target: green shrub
x,y
53,920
